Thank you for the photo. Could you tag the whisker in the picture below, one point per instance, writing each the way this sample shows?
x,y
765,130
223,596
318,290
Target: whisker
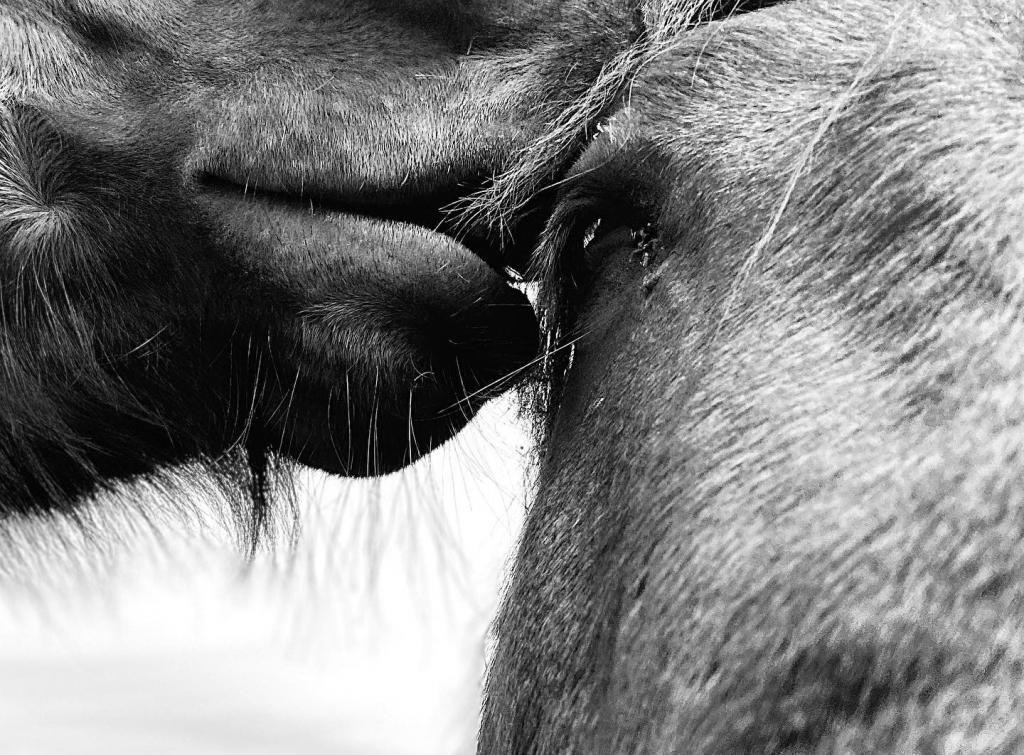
x,y
518,371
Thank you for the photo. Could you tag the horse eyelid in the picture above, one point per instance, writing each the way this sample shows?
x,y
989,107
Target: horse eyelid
x,y
604,236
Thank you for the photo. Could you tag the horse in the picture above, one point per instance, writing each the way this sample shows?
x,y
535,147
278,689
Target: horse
x,y
224,234
779,505
775,510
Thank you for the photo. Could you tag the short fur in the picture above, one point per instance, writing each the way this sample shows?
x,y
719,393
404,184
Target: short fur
x,y
153,317
781,506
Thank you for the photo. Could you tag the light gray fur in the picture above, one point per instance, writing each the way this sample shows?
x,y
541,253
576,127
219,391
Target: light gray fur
x,y
780,506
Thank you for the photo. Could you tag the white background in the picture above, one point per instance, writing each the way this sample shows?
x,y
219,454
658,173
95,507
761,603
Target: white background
x,y
367,637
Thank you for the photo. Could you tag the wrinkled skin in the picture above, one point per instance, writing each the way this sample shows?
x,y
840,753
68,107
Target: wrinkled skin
x,y
217,226
780,504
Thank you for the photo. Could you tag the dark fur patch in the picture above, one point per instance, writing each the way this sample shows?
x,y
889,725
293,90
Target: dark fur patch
x,y
217,231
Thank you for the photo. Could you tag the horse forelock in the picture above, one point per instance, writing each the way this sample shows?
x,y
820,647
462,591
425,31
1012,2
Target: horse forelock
x,y
539,165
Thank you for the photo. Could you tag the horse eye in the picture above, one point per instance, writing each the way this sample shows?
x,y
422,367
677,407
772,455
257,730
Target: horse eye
x,y
603,238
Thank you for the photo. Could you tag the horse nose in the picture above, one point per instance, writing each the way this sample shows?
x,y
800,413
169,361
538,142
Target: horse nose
x,y
481,333
494,338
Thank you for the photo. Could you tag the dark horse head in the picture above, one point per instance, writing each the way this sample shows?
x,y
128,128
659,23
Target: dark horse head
x,y
223,228
781,503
